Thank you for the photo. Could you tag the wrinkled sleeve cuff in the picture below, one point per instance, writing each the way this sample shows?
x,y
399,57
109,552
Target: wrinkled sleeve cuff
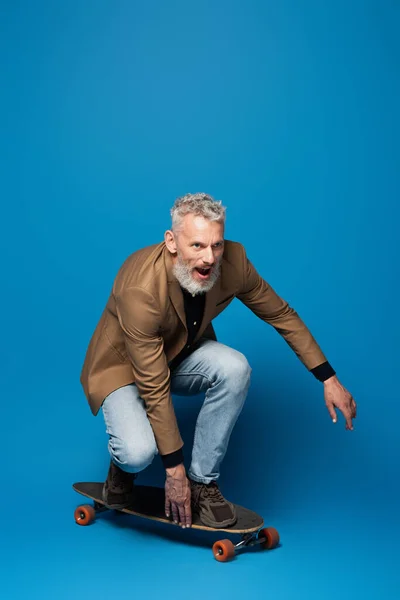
x,y
323,371
173,459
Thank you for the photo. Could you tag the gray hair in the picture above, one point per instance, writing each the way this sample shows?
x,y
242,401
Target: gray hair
x,y
198,204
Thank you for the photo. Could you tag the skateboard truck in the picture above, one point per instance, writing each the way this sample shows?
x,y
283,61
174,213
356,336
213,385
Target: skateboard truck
x,y
267,538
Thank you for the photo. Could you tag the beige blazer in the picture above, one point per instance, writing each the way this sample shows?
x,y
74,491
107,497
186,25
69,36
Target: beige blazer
x,y
143,328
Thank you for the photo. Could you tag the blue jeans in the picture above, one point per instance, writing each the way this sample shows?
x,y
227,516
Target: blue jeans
x,y
219,371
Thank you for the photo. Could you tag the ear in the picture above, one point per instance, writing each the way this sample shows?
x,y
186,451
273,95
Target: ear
x,y
170,242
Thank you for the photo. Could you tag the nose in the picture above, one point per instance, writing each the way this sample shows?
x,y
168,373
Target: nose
x,y
208,256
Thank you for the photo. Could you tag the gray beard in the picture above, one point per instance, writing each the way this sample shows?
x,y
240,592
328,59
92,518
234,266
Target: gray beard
x,y
183,273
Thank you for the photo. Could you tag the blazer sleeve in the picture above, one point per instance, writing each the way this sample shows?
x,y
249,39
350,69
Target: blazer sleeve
x,y
259,296
139,318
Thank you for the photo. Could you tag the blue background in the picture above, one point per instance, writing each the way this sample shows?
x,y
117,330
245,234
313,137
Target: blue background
x,y
289,113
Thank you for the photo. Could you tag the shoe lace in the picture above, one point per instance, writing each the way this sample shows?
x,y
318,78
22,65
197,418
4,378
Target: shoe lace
x,y
213,492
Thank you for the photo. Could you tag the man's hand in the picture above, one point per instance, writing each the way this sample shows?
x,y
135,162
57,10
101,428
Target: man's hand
x,y
177,496
337,396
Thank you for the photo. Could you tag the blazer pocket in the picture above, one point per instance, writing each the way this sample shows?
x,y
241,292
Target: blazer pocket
x,y
119,351
226,299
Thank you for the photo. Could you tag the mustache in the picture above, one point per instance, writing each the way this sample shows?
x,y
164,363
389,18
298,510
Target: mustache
x,y
183,271
207,266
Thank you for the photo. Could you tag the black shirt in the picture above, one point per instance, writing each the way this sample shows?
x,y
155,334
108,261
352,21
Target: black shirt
x,y
194,311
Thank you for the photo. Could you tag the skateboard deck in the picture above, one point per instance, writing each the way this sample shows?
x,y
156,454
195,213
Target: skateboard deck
x,y
149,503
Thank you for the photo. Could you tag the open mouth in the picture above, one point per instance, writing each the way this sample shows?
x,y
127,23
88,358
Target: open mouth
x,y
203,273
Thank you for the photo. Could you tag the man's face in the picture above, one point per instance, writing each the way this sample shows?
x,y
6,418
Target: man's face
x,y
199,248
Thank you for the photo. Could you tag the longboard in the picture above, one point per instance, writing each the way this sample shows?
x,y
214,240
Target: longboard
x,y
149,503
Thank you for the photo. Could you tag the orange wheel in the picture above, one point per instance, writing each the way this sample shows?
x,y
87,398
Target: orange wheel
x,y
223,550
271,538
84,514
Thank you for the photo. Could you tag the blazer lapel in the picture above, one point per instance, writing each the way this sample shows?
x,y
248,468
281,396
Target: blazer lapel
x,y
174,289
176,297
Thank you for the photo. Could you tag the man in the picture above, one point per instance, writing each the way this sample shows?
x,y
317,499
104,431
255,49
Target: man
x,y
155,338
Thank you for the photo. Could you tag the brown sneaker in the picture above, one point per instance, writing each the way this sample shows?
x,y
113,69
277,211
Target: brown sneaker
x,y
211,506
118,490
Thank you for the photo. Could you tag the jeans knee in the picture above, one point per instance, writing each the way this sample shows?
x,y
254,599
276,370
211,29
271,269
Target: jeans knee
x,y
133,459
245,368
237,369
240,365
